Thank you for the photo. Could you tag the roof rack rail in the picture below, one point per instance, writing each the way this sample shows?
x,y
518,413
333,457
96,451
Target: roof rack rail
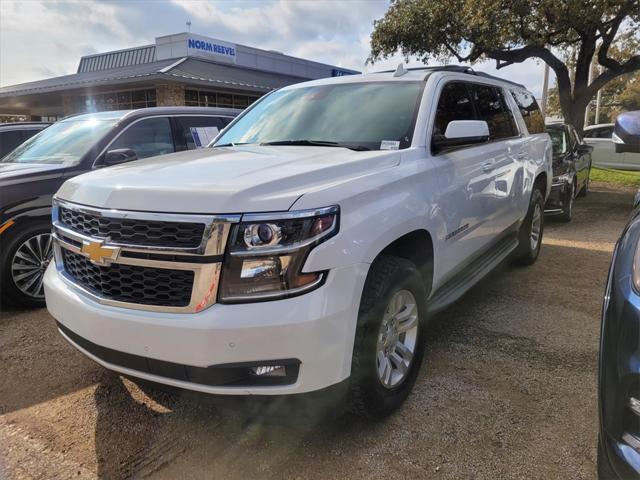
x,y
455,68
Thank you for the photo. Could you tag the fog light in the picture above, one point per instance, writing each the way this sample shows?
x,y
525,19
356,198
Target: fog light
x,y
269,371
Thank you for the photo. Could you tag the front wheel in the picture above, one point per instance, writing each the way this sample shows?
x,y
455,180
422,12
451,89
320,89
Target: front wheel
x,y
389,342
24,258
531,230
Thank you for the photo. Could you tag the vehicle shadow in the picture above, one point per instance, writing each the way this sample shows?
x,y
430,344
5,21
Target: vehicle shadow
x,y
144,429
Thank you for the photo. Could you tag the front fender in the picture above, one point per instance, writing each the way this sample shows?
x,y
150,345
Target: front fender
x,y
376,210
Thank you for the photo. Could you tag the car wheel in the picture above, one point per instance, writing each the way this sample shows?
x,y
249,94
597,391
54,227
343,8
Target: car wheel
x,y
389,344
24,259
530,232
567,211
585,189
605,471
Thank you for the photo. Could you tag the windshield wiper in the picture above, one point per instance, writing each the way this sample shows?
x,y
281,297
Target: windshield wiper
x,y
232,144
318,143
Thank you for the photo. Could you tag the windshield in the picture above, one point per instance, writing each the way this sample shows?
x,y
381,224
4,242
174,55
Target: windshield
x,y
558,140
363,116
63,143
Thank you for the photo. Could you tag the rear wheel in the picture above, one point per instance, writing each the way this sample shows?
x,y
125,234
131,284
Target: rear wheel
x,y
389,344
23,261
585,189
531,230
567,211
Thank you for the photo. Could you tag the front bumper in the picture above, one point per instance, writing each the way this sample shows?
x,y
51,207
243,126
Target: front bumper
x,y
558,198
315,330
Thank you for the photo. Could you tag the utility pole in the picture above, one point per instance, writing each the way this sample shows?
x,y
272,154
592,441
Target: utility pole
x,y
598,99
545,91
588,109
189,26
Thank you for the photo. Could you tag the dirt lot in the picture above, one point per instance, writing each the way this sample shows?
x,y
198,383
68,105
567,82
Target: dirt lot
x,y
507,390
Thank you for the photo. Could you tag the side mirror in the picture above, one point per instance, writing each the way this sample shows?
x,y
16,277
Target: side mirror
x,y
463,132
120,155
626,133
584,148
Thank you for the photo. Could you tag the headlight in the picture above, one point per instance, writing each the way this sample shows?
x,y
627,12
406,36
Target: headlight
x,y
266,254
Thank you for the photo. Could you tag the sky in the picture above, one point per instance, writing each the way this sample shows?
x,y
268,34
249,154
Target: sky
x,y
43,39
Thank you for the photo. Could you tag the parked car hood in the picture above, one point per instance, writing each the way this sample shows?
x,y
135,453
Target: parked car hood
x,y
11,173
238,179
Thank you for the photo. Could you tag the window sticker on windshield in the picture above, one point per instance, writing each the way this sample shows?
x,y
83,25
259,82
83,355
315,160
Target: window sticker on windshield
x,y
389,145
203,135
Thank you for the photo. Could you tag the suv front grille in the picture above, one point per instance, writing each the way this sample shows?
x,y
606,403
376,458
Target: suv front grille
x,y
131,283
134,232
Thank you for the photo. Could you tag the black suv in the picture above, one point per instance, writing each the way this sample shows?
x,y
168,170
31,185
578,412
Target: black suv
x,y
32,173
13,134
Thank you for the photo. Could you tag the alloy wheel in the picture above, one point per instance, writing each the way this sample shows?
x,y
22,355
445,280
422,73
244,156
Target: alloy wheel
x,y
536,226
29,264
397,339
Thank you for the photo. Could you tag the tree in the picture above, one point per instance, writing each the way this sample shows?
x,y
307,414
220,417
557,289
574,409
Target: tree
x,y
513,31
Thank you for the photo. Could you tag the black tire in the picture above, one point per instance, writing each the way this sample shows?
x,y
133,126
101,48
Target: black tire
x,y
585,189
567,211
13,238
526,254
605,471
387,276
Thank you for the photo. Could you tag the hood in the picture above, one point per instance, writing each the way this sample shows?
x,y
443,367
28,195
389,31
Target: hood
x,y
12,173
223,180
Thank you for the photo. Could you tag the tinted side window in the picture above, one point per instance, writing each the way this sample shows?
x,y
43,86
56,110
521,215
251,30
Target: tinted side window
x,y
603,132
27,134
529,110
454,104
9,140
194,132
492,108
148,137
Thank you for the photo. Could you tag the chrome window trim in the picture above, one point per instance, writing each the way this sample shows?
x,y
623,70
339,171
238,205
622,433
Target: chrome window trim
x,y
206,275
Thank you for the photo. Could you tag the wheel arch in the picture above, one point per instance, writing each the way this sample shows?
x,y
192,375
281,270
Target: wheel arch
x,y
417,247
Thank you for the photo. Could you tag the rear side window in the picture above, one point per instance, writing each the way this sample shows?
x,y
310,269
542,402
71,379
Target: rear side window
x,y
454,104
10,140
197,132
148,138
603,132
529,110
493,109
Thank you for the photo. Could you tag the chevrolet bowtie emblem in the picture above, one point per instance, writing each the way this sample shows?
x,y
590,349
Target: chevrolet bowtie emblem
x,y
98,253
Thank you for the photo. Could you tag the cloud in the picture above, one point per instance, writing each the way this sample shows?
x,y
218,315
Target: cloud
x,y
331,31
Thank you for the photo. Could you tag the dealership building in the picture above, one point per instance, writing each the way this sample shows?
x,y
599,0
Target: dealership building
x,y
180,69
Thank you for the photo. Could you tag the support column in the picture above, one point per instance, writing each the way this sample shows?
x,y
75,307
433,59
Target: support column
x,y
168,95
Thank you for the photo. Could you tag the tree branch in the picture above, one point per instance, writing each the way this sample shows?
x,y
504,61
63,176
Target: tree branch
x,y
609,35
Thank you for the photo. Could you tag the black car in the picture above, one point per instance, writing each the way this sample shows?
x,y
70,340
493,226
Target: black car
x,y
571,170
13,134
32,173
619,362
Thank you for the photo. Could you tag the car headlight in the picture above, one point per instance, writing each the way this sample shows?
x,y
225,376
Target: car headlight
x,y
266,253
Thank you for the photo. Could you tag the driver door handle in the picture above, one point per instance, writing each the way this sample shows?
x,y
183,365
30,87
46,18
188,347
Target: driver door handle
x,y
488,166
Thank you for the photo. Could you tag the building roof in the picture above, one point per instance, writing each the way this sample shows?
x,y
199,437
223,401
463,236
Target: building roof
x,y
197,71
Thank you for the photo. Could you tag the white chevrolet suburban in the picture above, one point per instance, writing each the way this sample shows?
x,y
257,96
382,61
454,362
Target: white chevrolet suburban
x,y
307,248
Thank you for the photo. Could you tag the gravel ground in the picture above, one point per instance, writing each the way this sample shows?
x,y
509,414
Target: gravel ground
x,y
507,390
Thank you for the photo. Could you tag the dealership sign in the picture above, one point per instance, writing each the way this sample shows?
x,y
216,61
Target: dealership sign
x,y
211,48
